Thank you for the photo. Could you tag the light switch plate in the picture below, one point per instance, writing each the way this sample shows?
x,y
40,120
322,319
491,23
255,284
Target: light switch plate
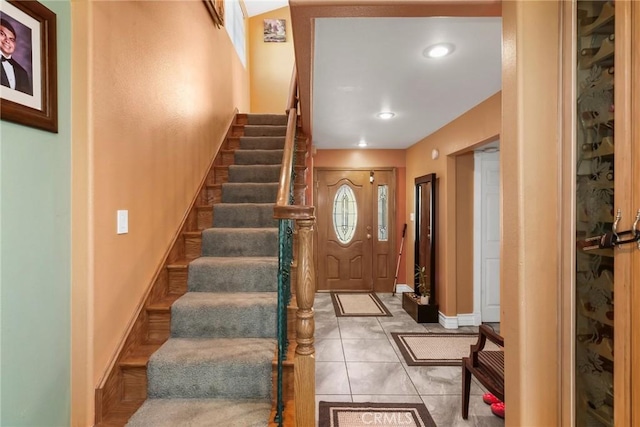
x,y
122,222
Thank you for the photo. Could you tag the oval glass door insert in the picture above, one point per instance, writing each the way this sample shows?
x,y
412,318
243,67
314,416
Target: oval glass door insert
x,y
345,214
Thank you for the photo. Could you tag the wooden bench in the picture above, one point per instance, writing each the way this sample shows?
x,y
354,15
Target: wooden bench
x,y
486,366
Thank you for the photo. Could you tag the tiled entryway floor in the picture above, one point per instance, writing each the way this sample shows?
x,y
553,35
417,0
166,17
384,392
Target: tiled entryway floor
x,y
358,361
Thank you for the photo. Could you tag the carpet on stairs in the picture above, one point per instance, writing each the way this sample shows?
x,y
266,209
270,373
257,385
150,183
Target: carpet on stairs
x,y
215,369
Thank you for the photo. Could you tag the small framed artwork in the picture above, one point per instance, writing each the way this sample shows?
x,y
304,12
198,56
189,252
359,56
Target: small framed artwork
x,y
275,30
29,87
216,10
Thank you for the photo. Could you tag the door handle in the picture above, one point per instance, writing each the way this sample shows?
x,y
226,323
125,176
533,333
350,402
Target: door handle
x,y
368,236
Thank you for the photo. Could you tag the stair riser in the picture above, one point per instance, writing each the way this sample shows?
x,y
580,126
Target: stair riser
x,y
134,383
213,195
253,173
252,130
177,280
249,193
244,216
221,175
205,217
266,119
223,322
258,157
219,243
222,380
258,277
192,247
261,143
159,326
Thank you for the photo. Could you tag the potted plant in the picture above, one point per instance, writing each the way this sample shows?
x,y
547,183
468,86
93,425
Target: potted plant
x,y
418,304
423,287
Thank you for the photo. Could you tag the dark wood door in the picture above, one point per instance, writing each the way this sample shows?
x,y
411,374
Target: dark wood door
x,y
355,232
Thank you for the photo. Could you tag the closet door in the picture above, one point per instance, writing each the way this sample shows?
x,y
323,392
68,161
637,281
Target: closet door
x,y
604,194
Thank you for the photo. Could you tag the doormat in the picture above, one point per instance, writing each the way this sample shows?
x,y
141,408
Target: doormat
x,y
347,414
358,304
429,349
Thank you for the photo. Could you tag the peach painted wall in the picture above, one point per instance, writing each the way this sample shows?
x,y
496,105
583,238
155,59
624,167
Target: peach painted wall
x,y
479,125
374,159
270,65
532,210
464,232
155,89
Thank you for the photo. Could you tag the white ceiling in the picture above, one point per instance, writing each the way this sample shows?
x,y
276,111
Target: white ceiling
x,y
365,65
256,7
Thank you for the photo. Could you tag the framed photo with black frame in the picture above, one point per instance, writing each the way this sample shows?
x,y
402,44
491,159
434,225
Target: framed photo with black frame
x,y
29,87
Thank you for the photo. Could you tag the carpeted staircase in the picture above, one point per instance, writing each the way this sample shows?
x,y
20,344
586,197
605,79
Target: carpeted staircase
x,y
216,368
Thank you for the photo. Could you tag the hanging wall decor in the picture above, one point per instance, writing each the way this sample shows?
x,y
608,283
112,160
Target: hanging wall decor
x,y
28,90
275,30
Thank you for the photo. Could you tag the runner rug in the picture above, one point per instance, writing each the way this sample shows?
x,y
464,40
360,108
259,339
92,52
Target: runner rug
x,y
342,414
433,349
358,304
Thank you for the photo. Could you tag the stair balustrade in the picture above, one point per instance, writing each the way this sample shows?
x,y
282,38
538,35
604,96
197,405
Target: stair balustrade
x,y
301,217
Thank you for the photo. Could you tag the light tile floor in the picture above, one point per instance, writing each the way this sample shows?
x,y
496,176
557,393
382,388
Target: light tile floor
x,y
358,361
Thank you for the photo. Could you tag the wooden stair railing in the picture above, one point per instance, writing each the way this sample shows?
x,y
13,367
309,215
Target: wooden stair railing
x,y
303,215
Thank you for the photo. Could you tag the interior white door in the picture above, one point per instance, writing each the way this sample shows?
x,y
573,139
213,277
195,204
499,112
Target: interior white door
x,y
488,200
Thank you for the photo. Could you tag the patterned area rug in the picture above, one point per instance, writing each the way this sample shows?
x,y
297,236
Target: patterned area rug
x,y
430,349
341,414
358,304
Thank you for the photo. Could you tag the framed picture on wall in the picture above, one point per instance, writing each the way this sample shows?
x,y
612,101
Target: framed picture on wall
x,y
29,89
275,30
216,10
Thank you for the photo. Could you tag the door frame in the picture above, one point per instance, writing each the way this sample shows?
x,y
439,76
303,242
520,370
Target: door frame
x,y
392,214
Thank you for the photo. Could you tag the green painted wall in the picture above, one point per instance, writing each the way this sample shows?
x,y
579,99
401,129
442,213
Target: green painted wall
x,y
35,259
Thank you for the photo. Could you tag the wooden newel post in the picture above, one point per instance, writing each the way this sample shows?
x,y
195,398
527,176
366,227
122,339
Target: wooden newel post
x,y
305,362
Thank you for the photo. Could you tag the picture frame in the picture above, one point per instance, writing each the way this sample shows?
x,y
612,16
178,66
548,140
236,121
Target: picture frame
x,y
29,89
216,10
275,31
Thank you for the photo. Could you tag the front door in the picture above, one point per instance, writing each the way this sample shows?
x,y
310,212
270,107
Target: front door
x,y
355,229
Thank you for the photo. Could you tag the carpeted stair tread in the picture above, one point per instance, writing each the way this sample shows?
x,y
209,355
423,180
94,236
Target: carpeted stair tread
x,y
212,367
202,413
225,315
258,157
240,242
250,192
262,142
267,119
254,173
265,130
216,367
227,274
242,215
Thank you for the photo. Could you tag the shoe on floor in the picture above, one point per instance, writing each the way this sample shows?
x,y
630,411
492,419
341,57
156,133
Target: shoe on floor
x,y
498,409
489,399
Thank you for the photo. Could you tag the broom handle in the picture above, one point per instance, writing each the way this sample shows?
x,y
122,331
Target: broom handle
x,y
395,281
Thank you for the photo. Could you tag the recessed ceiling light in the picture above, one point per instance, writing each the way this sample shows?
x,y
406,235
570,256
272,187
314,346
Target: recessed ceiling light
x,y
362,143
438,50
385,115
